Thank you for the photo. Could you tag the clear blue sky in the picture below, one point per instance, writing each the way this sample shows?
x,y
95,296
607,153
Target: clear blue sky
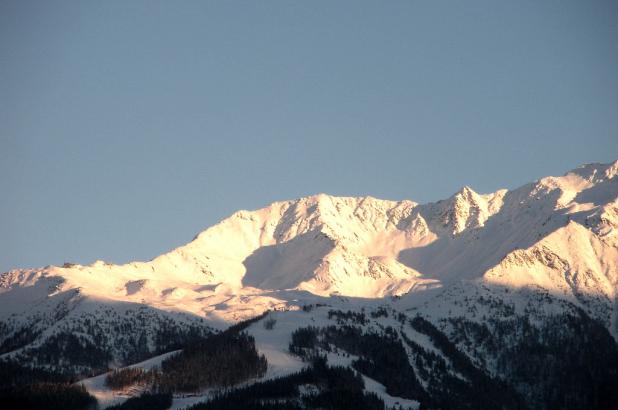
x,y
126,127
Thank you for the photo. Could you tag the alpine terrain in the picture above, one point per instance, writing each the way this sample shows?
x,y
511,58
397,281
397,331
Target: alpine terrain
x,y
502,300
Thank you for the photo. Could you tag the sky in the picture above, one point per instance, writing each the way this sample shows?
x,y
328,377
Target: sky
x,y
127,127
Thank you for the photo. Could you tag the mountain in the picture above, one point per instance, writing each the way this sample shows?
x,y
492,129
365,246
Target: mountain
x,y
472,261
370,248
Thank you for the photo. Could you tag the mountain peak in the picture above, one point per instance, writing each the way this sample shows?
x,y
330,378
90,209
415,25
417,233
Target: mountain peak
x,y
466,191
466,196
596,172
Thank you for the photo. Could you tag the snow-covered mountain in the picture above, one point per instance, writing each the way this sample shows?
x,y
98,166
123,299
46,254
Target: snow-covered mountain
x,y
555,240
558,233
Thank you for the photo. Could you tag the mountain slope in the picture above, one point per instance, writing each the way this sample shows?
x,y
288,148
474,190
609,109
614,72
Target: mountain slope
x,y
557,234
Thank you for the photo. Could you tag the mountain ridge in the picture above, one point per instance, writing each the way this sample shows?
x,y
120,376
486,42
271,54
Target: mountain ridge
x,y
495,278
329,239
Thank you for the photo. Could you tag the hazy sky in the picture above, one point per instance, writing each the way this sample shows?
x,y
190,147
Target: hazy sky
x,y
126,127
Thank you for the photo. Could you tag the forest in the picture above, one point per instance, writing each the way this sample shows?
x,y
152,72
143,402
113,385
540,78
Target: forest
x,y
570,361
219,360
383,357
223,360
146,401
335,388
478,390
49,396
